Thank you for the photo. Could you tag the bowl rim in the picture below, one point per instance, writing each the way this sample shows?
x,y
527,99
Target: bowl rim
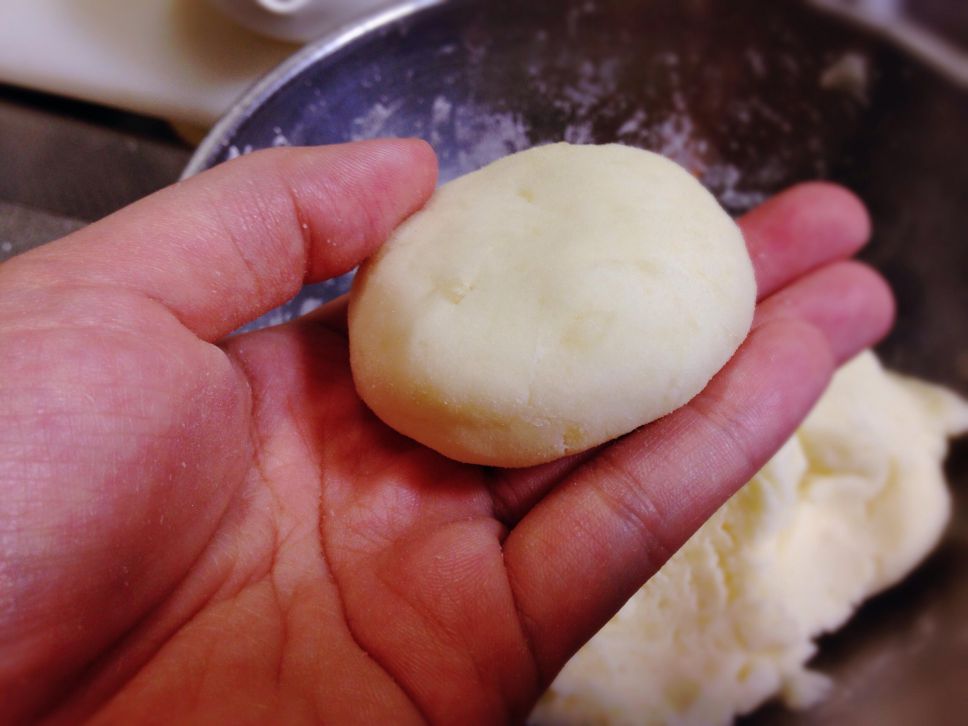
x,y
261,90
953,66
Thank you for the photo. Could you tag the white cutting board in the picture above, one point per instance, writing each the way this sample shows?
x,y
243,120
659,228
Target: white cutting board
x,y
175,59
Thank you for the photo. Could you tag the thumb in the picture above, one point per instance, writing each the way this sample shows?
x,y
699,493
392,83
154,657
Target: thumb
x,y
222,248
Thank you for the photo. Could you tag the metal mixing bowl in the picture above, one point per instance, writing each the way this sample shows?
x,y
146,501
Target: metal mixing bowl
x,y
752,97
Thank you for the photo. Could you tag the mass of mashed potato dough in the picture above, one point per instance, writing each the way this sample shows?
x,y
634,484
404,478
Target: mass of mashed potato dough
x,y
845,509
553,300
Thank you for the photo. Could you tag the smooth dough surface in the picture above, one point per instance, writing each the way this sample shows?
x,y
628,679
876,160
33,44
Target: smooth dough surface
x,y
553,300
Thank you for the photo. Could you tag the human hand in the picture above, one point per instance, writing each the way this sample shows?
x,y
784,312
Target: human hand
x,y
200,528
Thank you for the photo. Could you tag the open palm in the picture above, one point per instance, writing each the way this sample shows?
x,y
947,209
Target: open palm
x,y
222,532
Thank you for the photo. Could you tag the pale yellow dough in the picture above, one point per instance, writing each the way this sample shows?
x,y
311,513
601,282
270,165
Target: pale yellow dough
x,y
848,507
547,303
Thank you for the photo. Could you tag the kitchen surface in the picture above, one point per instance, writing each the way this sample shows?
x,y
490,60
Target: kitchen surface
x,y
84,133
119,156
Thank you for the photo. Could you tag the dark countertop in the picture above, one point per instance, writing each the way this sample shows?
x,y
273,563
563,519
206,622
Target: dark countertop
x,y
67,163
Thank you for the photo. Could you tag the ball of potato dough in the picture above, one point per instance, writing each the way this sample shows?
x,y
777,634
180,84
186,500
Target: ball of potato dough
x,y
553,300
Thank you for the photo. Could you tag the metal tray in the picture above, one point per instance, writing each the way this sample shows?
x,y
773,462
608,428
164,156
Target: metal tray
x,y
752,97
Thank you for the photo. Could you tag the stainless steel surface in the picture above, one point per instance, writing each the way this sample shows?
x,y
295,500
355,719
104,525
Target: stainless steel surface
x,y
217,141
896,20
751,107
